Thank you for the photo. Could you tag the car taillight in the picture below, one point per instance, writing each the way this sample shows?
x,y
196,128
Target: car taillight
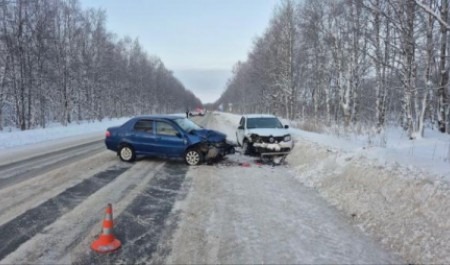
x,y
107,134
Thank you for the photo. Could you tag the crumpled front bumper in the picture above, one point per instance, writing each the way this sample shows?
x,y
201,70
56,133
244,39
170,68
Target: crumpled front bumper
x,y
273,152
216,150
281,148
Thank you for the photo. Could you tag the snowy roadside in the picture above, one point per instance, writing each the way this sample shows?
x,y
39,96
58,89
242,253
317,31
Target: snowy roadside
x,y
15,139
20,145
398,196
430,154
405,210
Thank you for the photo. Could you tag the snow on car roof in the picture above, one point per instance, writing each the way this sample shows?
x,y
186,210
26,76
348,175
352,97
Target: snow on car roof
x,y
259,116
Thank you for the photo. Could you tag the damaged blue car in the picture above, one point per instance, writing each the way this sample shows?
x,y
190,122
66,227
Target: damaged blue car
x,y
168,137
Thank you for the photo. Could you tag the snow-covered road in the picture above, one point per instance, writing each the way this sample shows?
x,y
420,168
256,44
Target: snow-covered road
x,y
262,215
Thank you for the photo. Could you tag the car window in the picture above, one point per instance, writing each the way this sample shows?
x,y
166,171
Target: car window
x,y
144,126
241,123
163,128
263,123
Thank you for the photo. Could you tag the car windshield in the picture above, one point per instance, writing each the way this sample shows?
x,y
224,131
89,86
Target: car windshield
x,y
263,123
187,125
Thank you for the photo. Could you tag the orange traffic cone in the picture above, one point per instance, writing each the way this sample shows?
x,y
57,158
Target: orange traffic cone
x,y
106,242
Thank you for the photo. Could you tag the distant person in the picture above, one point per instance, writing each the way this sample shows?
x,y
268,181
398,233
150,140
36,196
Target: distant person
x,y
187,114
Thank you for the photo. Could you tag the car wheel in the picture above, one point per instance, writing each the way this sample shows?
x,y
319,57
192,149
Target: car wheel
x,y
266,159
193,157
231,151
126,153
246,147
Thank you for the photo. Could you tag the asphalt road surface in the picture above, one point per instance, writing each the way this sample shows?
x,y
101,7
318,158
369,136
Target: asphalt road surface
x,y
166,212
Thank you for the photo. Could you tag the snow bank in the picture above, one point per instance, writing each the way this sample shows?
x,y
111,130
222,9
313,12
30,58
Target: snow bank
x,y
55,131
430,154
408,211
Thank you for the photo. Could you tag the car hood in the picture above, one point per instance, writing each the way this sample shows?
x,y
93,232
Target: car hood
x,y
210,135
268,132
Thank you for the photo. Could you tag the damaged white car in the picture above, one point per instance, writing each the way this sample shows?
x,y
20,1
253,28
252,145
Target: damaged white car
x,y
264,135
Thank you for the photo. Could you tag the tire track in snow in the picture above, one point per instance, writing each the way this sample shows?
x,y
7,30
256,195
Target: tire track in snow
x,y
142,226
16,172
25,226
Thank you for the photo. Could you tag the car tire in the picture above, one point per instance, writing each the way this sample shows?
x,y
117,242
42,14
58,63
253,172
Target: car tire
x,y
193,157
127,153
246,147
232,151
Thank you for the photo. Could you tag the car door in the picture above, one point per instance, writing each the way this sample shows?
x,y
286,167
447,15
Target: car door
x,y
170,141
143,136
240,133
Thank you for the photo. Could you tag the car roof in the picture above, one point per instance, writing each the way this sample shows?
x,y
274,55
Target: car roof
x,y
162,116
259,116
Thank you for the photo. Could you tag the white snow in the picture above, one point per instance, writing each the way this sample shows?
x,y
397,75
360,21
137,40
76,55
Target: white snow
x,y
262,215
15,138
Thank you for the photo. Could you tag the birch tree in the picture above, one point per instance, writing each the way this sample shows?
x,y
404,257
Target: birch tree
x,y
443,109
58,63
313,57
285,26
381,41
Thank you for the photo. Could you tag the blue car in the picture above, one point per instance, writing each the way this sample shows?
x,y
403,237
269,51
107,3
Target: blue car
x,y
167,136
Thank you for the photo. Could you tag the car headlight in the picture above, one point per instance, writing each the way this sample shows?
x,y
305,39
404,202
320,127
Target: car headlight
x,y
287,138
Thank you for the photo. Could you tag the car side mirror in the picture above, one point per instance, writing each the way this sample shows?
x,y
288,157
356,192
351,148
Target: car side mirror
x,y
241,127
286,126
179,135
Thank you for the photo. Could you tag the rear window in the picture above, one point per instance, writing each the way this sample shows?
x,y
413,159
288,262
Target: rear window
x,y
144,126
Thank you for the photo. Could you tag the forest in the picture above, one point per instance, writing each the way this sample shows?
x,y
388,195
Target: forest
x,y
59,63
372,63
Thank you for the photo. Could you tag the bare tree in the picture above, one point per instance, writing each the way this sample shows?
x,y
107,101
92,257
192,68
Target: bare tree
x,y
443,109
59,63
353,62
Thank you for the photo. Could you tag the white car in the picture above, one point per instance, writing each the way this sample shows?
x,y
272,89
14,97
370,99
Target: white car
x,y
264,135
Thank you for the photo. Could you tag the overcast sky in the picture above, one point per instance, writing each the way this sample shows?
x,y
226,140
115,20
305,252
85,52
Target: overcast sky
x,y
199,40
